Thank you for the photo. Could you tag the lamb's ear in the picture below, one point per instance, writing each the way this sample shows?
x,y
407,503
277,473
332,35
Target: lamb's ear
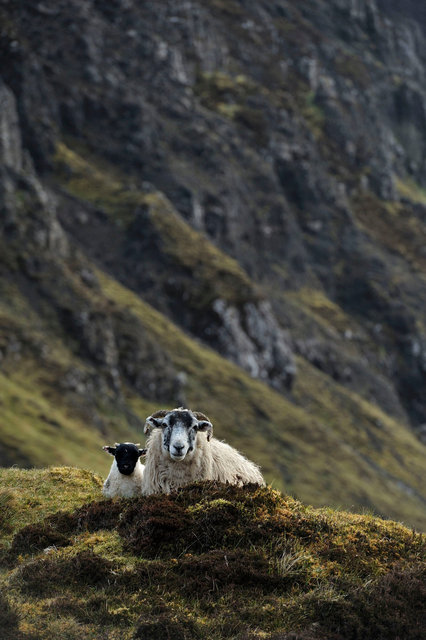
x,y
205,425
110,450
142,452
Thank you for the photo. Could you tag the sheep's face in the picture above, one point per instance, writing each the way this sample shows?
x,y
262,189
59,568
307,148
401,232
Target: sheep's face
x,y
180,428
126,456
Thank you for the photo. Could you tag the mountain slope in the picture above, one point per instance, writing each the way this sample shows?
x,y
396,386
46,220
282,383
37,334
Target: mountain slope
x,y
116,358
220,205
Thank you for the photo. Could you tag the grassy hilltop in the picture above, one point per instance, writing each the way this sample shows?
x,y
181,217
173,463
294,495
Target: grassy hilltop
x,y
207,562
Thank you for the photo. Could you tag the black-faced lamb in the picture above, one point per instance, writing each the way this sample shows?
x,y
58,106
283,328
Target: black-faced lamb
x,y
181,450
126,473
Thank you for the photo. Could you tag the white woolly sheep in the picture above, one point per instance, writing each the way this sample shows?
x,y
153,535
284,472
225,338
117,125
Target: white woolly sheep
x,y
180,450
125,476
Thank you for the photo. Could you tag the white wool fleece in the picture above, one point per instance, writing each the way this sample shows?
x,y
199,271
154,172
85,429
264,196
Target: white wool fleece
x,y
210,460
117,484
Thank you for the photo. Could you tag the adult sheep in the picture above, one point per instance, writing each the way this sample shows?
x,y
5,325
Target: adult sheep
x,y
126,473
180,450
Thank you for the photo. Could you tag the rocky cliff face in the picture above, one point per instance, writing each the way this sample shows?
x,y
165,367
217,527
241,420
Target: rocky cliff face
x,y
253,170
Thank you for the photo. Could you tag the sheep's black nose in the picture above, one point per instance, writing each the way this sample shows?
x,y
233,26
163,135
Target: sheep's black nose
x,y
178,447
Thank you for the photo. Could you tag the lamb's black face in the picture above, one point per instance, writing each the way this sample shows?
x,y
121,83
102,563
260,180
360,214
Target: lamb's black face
x,y
126,457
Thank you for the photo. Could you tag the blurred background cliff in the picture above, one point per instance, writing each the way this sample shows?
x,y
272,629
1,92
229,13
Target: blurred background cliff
x,y
219,204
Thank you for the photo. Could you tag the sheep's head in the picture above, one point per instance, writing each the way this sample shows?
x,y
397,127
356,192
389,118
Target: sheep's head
x,y
180,428
126,456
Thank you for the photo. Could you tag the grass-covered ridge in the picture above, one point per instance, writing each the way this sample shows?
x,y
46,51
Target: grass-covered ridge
x,y
207,562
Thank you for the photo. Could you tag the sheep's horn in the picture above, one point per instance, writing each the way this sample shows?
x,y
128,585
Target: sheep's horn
x,y
149,425
201,416
160,414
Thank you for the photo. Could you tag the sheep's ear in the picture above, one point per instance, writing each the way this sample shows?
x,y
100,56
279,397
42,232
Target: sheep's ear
x,y
110,450
142,452
205,425
152,423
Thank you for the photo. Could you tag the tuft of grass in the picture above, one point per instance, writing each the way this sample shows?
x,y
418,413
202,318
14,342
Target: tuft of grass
x,y
391,607
42,576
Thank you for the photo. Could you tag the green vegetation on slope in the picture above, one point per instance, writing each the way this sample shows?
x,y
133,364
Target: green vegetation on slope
x,y
210,561
295,445
394,226
42,422
213,273
324,444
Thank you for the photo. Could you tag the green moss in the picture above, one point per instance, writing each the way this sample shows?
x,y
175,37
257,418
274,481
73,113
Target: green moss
x,y
410,190
228,96
219,88
214,275
313,114
393,225
93,180
227,560
351,66
325,311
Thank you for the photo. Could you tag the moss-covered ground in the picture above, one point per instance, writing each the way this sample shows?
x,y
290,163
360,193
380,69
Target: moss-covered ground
x,y
211,561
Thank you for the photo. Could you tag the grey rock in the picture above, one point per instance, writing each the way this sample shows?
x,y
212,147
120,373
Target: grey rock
x,y
253,339
10,132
